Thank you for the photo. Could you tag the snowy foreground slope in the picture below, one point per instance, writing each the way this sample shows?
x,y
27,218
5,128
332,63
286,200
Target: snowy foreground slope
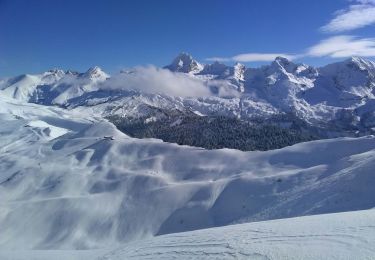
x,y
64,184
334,236
349,235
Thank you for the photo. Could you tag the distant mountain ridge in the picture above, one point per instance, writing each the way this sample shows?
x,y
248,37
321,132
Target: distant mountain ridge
x,y
341,94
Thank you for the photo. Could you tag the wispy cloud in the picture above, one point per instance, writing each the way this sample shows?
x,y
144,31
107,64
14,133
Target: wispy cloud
x,y
253,57
343,46
358,15
340,46
151,79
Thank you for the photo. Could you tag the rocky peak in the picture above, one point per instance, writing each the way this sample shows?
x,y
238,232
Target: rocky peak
x,y
184,62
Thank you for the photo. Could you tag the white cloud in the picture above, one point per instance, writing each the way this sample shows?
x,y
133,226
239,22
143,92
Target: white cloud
x,y
224,88
155,80
344,46
356,16
364,1
252,57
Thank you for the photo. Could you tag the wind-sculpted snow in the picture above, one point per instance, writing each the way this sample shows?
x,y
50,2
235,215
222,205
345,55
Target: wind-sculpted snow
x,y
91,186
348,235
334,236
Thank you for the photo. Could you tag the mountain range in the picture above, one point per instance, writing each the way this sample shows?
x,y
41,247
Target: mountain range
x,y
338,97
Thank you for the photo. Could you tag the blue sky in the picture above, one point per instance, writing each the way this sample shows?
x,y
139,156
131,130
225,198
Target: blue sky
x,y
36,35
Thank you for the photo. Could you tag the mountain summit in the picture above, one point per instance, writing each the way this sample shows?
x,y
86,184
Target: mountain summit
x,y
95,73
185,63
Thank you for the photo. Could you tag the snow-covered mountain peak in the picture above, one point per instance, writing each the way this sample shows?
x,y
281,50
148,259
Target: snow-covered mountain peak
x,y
52,76
358,61
361,64
216,68
71,72
239,71
281,59
291,70
95,73
352,67
238,65
282,63
55,71
184,62
184,57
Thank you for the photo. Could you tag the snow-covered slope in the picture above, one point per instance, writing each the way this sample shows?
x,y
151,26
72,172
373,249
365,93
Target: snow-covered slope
x,y
348,235
23,87
344,84
53,87
72,181
334,236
